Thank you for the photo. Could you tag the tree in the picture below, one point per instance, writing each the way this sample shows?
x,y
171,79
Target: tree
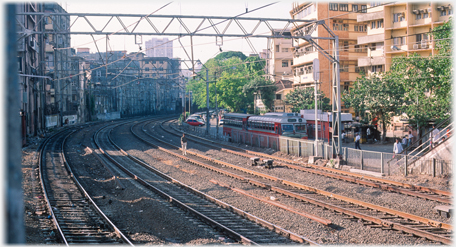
x,y
265,87
427,81
230,54
232,74
379,94
304,99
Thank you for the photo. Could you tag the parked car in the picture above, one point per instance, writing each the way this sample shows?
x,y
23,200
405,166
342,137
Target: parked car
x,y
194,122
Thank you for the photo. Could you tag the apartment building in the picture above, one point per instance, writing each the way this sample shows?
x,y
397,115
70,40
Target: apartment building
x,y
159,48
341,18
31,77
399,29
279,57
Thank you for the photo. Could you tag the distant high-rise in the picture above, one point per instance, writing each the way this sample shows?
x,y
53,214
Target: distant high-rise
x,y
159,48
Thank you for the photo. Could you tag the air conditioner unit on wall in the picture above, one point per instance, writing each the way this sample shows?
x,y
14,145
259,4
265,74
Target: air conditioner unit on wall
x,y
440,8
415,46
416,11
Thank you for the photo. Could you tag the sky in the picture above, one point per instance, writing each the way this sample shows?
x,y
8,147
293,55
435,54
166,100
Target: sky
x,y
204,48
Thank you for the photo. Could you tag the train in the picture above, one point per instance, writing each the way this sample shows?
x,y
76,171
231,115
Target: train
x,y
270,124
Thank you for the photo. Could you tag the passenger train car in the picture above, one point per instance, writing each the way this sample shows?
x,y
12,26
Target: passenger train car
x,y
272,124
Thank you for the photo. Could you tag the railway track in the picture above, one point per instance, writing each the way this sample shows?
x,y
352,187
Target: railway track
x,y
383,184
223,217
371,214
76,217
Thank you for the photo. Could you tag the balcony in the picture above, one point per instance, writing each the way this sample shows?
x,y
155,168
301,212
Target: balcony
x,y
422,45
376,38
369,61
369,16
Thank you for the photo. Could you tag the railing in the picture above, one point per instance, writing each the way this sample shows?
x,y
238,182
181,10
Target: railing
x,y
358,159
403,163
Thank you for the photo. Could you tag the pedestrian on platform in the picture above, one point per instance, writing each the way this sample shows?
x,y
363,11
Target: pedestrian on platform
x,y
397,149
435,135
404,142
343,136
410,138
357,139
184,144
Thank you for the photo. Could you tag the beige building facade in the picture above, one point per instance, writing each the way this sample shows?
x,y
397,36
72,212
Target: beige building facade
x,y
341,18
399,29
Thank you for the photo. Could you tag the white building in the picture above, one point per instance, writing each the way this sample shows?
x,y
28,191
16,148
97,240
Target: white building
x,y
159,48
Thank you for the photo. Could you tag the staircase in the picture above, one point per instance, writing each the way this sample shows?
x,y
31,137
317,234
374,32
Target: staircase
x,y
423,154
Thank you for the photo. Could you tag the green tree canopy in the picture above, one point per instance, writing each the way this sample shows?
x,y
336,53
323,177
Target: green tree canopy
x,y
427,81
265,87
304,99
231,74
377,94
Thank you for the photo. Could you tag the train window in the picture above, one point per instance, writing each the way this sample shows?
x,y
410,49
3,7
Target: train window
x,y
301,127
287,127
291,120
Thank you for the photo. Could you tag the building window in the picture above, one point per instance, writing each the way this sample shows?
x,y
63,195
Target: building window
x,y
284,63
278,96
147,69
284,49
333,6
345,27
346,86
373,25
335,27
443,12
398,17
343,7
377,68
354,8
380,24
343,67
346,46
373,47
418,17
425,15
359,69
277,48
363,8
399,41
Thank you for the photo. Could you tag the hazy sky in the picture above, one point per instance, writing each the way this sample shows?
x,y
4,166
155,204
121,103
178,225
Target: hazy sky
x,y
204,47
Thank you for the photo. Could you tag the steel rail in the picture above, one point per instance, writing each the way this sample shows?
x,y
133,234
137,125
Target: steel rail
x,y
117,231
41,163
344,175
205,196
244,214
400,227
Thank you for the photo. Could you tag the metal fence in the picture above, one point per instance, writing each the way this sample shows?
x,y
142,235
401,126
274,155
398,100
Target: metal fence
x,y
360,159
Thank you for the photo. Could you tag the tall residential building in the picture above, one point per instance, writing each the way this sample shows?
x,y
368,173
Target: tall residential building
x,y
32,80
341,18
399,29
159,48
280,58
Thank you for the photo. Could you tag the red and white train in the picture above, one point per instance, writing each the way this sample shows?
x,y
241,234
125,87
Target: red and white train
x,y
272,124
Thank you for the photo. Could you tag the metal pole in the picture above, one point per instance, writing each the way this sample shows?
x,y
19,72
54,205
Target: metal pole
x,y
216,111
208,123
14,201
316,120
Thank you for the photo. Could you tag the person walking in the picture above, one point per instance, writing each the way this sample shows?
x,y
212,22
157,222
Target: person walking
x,y
357,139
410,136
184,144
435,135
343,136
404,142
397,148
